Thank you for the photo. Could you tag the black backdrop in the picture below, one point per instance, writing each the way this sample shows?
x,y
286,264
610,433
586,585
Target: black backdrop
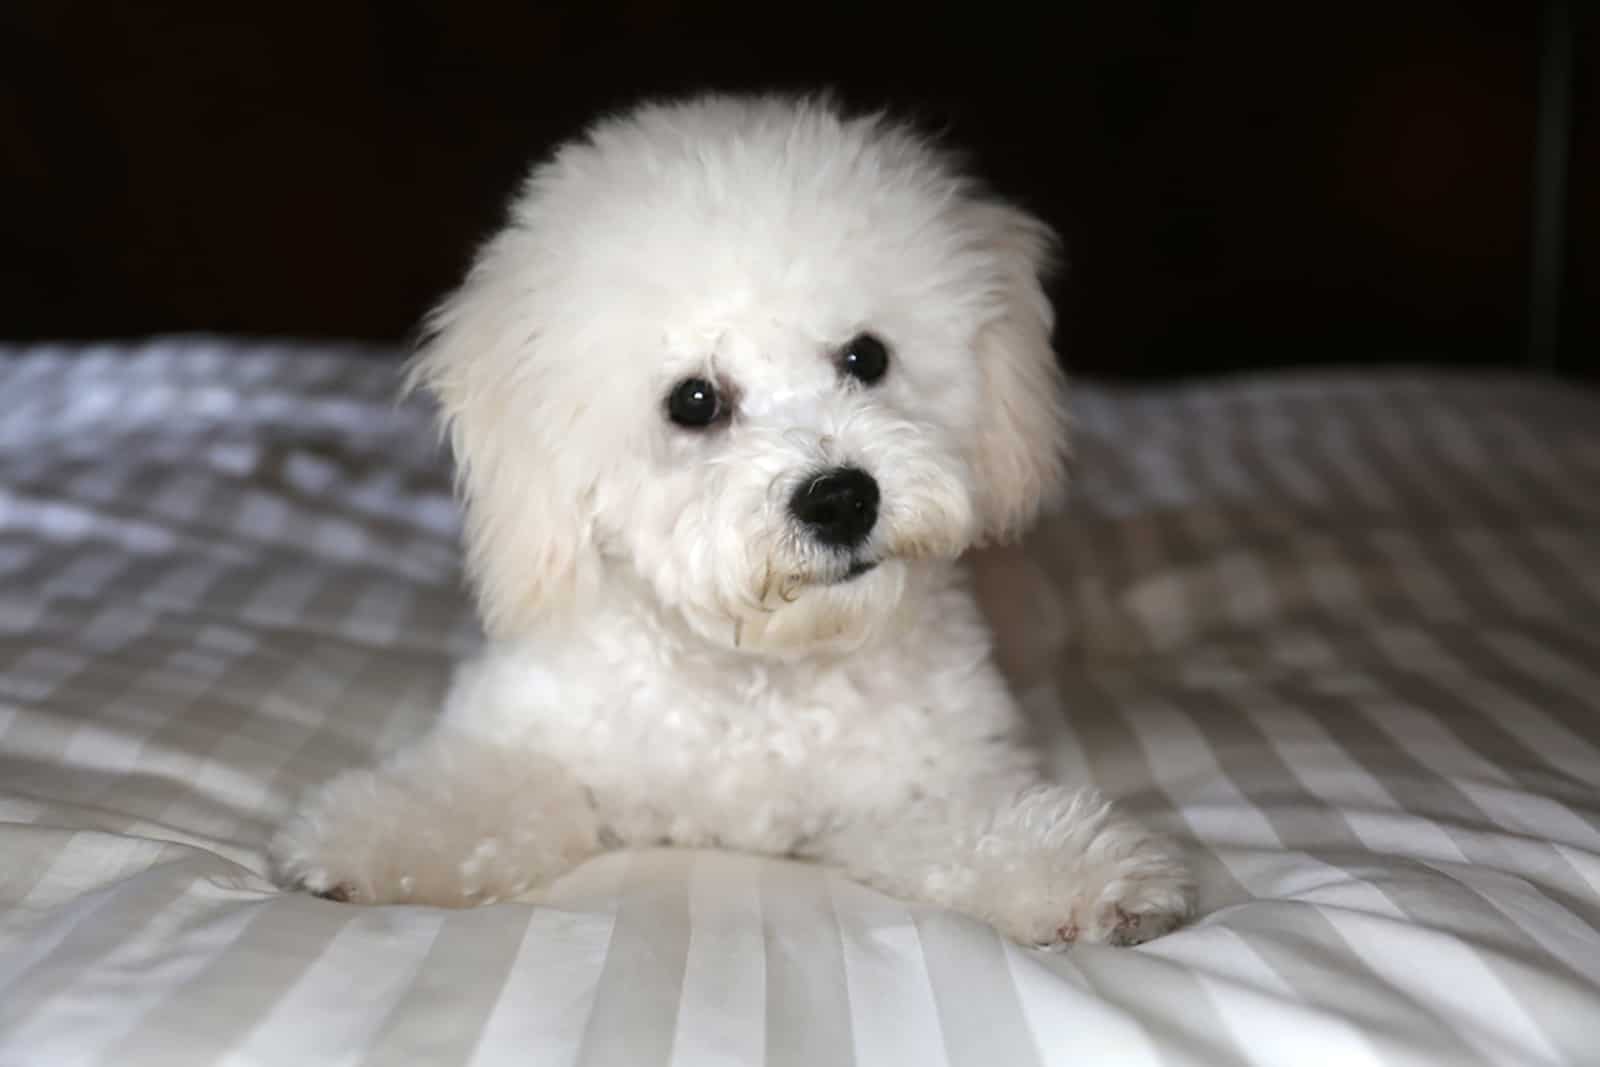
x,y
1238,184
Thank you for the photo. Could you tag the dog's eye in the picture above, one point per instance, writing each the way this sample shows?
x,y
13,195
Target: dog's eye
x,y
866,359
693,402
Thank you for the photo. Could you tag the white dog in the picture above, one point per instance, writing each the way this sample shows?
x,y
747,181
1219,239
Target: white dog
x,y
730,395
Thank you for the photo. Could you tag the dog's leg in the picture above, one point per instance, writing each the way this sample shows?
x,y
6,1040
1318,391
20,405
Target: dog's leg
x,y
450,822
1046,866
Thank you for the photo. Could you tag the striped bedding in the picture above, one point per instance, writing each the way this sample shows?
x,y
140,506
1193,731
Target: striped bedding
x,y
1340,634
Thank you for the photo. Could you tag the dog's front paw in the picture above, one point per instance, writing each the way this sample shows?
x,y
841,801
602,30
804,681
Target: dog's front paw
x,y
340,863
323,853
1066,869
1117,907
310,853
450,826
349,843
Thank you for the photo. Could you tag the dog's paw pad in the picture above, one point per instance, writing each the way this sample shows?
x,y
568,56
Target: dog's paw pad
x,y
340,893
1064,937
1115,925
1137,927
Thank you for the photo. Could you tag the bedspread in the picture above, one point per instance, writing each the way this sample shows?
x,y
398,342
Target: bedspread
x,y
1340,634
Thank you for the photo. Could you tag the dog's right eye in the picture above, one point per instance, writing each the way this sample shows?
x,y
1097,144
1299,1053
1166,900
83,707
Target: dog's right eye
x,y
693,402
865,359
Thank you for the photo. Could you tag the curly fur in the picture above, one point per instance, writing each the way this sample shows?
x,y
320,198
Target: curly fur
x,y
674,658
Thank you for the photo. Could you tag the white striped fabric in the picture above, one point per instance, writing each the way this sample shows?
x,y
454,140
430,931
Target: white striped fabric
x,y
1339,633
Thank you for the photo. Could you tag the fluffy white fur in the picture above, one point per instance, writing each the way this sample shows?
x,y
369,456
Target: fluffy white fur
x,y
673,658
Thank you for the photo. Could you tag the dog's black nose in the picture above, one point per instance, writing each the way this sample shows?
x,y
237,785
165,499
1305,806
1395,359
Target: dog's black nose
x,y
839,506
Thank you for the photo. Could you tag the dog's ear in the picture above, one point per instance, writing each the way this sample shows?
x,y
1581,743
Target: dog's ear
x,y
1020,451
527,525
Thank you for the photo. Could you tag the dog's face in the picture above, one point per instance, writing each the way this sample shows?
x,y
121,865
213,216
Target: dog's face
x,y
753,358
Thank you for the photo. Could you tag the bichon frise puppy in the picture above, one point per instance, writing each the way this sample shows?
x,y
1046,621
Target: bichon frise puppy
x,y
730,395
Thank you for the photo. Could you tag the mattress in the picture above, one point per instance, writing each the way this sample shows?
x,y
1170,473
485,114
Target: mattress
x,y
1339,634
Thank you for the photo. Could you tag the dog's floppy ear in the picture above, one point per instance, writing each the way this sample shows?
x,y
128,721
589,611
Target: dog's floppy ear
x,y
527,531
1020,452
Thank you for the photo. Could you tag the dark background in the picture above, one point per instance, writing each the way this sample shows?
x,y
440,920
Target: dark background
x,y
1238,184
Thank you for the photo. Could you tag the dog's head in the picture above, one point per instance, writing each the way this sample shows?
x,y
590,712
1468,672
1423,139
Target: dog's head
x,y
757,358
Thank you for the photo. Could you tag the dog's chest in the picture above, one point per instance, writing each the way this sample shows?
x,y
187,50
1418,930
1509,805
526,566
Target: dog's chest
x,y
758,769
757,733
727,751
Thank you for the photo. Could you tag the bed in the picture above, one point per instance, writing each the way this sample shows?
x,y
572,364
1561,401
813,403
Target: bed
x,y
1339,633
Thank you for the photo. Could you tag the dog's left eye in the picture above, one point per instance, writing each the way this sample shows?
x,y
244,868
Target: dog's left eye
x,y
693,402
866,359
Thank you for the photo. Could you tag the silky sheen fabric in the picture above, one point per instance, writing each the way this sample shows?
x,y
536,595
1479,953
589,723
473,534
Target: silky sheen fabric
x,y
1340,634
